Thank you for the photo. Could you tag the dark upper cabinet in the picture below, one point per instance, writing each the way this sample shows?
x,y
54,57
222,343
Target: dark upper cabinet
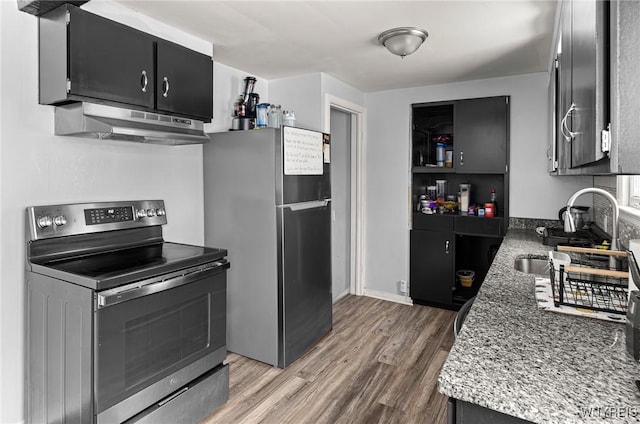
x,y
580,111
109,61
85,57
481,134
182,77
563,91
475,131
584,78
589,80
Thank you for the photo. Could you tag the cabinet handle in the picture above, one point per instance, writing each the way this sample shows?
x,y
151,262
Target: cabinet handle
x,y
165,86
144,81
568,135
461,158
446,247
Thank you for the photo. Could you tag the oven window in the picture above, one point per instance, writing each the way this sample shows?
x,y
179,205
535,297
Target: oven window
x,y
157,341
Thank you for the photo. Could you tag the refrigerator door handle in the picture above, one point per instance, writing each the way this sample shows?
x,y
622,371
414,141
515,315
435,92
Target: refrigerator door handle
x,y
306,205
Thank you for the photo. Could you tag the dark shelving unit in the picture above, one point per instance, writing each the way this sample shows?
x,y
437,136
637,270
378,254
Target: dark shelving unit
x,y
476,131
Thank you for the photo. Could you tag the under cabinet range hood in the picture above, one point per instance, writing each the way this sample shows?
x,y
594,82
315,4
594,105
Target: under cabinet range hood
x,y
92,120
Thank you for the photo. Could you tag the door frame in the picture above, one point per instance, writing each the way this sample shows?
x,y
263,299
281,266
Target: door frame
x,y
357,184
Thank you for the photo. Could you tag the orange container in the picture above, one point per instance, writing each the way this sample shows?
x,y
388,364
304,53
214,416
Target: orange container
x,y
488,210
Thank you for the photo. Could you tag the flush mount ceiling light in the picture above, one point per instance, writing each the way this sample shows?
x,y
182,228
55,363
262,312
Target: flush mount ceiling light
x,y
403,41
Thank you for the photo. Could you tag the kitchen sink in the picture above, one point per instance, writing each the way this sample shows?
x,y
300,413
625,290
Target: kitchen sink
x,y
532,264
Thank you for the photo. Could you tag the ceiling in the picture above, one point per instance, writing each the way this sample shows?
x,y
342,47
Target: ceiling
x,y
275,39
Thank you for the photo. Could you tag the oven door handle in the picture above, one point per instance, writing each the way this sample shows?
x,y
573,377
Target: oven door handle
x,y
136,290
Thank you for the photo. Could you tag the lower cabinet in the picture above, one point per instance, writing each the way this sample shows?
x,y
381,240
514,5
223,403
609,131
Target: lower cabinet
x,y
440,245
431,272
459,412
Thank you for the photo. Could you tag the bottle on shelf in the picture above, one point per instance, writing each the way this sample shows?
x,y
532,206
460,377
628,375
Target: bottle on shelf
x,y
493,200
440,149
275,116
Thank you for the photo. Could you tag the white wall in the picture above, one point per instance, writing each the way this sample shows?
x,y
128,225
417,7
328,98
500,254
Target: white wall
x,y
120,13
334,87
302,95
37,167
533,193
3,345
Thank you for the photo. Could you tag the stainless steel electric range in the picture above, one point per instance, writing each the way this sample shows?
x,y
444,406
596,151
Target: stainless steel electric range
x,y
121,325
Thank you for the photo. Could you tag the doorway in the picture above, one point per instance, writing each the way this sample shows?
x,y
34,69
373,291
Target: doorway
x,y
341,202
345,122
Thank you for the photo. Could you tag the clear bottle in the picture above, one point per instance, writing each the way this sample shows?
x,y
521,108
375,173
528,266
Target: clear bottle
x,y
289,119
275,116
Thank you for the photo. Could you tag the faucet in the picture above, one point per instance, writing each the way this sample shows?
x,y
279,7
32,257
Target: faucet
x,y
570,226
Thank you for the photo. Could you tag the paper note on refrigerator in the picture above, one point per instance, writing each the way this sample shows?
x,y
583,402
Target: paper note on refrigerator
x,y
303,154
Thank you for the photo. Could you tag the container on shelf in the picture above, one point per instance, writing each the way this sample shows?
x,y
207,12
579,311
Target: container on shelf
x,y
262,111
465,277
465,195
441,189
275,116
488,210
448,158
440,149
289,118
432,193
423,202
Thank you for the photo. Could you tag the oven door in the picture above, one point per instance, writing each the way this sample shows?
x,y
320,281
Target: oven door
x,y
154,337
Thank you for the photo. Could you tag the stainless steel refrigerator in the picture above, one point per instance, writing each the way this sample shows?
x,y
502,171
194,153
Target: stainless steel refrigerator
x,y
267,197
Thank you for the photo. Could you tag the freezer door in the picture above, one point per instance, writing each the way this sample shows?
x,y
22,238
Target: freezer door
x,y
303,166
304,278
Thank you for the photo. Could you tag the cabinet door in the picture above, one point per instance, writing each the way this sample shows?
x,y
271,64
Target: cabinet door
x,y
481,133
109,61
589,75
185,81
552,142
432,266
564,80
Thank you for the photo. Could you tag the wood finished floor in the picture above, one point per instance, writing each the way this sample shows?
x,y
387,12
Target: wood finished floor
x,y
379,364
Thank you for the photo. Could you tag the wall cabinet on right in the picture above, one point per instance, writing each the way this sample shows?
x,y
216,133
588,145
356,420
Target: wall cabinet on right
x,y
593,89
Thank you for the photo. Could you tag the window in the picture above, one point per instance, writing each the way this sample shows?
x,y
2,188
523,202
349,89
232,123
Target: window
x,y
634,191
628,190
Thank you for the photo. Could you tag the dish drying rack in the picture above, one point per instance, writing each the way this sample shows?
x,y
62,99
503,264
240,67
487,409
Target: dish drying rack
x,y
588,283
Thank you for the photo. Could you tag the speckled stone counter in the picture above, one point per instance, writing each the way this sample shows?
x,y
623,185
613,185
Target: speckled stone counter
x,y
538,365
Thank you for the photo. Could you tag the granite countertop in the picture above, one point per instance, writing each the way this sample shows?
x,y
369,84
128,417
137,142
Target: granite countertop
x,y
537,365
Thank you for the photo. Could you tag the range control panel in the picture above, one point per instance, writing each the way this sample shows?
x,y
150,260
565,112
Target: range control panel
x,y
84,218
108,215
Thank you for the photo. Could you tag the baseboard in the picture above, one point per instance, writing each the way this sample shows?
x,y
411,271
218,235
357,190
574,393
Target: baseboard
x,y
392,297
341,295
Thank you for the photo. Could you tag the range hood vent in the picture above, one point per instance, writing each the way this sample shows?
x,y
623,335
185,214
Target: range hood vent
x,y
40,7
92,120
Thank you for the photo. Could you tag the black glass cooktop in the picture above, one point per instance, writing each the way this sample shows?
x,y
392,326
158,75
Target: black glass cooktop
x,y
123,266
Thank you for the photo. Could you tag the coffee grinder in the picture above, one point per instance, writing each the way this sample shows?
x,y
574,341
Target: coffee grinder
x,y
244,111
